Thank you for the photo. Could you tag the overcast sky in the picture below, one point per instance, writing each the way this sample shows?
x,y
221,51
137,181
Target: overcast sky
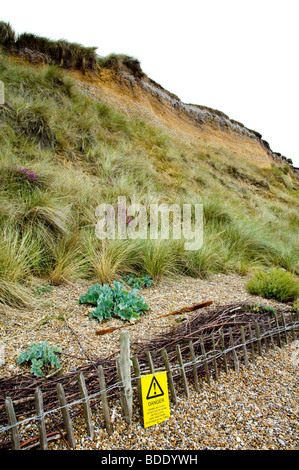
x,y
237,56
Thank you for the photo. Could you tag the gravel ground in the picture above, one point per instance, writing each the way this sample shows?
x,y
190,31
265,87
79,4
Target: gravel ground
x,y
257,409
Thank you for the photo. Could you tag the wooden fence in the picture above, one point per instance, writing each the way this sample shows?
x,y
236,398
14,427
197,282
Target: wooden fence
x,y
259,340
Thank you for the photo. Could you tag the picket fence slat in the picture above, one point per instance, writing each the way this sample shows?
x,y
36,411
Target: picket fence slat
x,y
173,396
86,405
105,404
214,358
66,415
182,371
41,420
203,352
12,421
194,367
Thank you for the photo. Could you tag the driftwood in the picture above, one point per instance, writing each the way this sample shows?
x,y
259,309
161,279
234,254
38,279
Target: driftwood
x,y
188,309
176,312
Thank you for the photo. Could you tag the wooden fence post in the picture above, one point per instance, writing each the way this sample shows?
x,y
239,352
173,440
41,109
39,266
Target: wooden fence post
x,y
86,405
66,415
252,343
194,367
258,336
264,334
270,333
137,373
278,333
106,409
41,420
284,326
124,373
244,346
150,362
236,361
182,370
293,321
169,376
221,333
12,421
203,352
214,357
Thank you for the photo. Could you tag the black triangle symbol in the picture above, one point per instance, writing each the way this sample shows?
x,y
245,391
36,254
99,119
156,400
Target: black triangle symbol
x,y
154,390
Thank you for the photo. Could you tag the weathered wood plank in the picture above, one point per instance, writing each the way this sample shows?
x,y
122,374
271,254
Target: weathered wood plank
x,y
214,357
182,371
124,372
203,352
105,404
66,415
86,405
169,376
150,362
39,406
244,347
194,366
258,338
224,357
235,357
12,421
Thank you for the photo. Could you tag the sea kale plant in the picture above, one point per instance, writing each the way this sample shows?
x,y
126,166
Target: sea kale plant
x,y
41,356
114,301
139,282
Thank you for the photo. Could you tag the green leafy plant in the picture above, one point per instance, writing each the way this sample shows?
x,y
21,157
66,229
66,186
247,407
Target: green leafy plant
x,y
42,288
40,355
114,301
261,308
274,284
138,282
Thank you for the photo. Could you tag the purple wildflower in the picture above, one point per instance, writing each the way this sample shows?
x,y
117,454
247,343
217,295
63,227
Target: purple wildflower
x,y
27,173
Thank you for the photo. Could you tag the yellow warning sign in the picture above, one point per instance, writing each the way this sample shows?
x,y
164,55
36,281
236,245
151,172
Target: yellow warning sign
x,y
155,400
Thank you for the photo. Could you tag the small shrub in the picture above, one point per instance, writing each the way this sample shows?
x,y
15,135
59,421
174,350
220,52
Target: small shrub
x,y
274,284
40,355
114,302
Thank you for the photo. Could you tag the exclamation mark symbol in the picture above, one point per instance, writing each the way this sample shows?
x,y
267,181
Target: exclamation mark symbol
x,y
155,388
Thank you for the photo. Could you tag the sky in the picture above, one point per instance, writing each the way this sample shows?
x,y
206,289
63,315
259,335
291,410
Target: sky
x,y
237,56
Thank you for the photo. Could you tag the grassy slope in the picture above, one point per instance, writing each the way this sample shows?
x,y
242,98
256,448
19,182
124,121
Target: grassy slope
x,y
84,152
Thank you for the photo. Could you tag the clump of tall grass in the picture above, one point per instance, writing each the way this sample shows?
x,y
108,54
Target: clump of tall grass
x,y
110,259
67,260
33,120
7,35
159,258
19,255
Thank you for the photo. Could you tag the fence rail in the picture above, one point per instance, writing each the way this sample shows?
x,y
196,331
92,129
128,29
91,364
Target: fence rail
x,y
207,364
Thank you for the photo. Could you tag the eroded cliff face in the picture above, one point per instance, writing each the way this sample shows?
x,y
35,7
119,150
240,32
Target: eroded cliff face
x,y
141,97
